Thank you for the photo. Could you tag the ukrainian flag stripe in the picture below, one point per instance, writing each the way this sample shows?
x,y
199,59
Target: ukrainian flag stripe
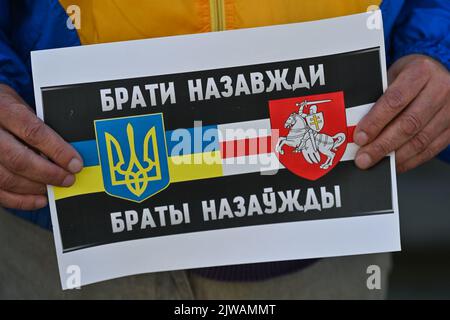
x,y
181,168
88,152
195,140
89,180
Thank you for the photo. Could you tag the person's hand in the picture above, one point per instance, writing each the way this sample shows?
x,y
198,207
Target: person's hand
x,y
411,118
23,172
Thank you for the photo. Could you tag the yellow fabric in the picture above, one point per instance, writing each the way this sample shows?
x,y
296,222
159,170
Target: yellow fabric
x,y
119,20
257,13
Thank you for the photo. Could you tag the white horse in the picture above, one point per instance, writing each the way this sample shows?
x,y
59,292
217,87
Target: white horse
x,y
311,143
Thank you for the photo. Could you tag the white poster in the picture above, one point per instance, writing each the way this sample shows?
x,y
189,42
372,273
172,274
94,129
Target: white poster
x,y
216,149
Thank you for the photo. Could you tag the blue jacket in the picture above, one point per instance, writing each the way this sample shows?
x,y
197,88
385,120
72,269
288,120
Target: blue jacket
x,y
411,26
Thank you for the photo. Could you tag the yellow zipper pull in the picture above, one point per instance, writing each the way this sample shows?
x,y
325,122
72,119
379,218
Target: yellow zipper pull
x,y
217,8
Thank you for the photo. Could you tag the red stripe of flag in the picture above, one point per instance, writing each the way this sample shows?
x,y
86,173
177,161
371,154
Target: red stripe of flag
x,y
258,145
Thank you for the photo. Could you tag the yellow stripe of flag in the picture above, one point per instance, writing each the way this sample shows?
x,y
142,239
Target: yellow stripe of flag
x,y
181,168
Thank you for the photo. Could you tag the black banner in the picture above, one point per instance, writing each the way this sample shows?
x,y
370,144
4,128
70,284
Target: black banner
x,y
86,220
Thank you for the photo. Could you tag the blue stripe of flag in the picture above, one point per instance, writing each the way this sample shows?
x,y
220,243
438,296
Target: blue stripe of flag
x,y
179,142
88,151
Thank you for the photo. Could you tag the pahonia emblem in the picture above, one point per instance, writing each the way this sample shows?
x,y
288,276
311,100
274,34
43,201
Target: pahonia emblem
x,y
312,133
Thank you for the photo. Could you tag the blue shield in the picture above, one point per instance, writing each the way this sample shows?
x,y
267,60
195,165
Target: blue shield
x,y
133,156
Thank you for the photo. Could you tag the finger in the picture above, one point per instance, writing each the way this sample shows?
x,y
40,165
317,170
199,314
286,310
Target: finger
x,y
9,95
404,127
22,202
21,160
424,138
430,152
17,184
23,123
402,91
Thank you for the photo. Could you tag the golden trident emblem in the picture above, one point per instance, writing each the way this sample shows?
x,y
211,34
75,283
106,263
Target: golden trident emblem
x,y
136,177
